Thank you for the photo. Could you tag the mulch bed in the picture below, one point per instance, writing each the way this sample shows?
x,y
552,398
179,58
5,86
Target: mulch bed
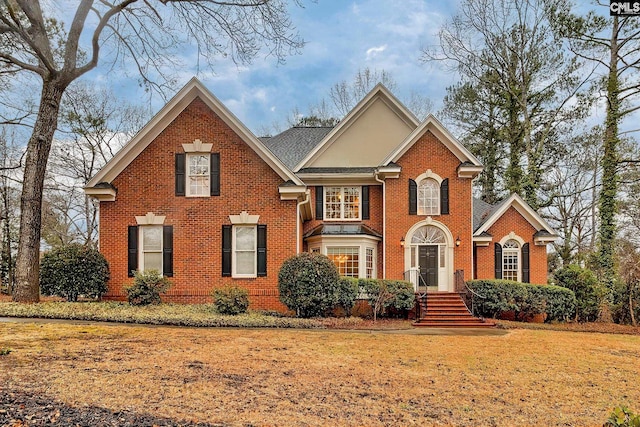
x,y
24,409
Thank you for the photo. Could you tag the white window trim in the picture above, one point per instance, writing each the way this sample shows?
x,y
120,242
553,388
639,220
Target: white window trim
x,y
234,260
141,251
342,218
188,156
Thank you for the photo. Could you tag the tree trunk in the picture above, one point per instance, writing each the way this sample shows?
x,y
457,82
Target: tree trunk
x,y
609,191
27,287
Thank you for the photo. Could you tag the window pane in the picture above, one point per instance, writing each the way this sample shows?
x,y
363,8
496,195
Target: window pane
x,y
198,164
333,197
245,262
153,261
370,273
245,238
346,259
351,202
199,185
152,238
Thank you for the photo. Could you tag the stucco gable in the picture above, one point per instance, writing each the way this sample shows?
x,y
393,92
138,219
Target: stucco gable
x,y
366,135
192,90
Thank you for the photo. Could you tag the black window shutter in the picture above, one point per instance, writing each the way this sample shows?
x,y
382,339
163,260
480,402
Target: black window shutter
x,y
215,174
262,250
413,197
319,201
444,197
167,250
132,262
525,263
226,250
498,260
181,165
365,202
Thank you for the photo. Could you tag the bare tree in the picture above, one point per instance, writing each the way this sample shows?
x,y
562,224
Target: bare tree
x,y
149,33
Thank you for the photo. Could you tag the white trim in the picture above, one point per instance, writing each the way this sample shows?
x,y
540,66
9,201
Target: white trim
x,y
512,236
378,92
431,175
445,275
432,124
197,146
482,240
192,90
523,209
468,171
362,242
150,219
428,175
244,218
101,194
234,258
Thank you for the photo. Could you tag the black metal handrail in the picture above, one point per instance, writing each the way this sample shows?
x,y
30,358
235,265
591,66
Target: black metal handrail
x,y
421,297
471,291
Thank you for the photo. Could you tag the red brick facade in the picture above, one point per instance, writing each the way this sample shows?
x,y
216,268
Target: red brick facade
x,y
247,184
250,182
512,221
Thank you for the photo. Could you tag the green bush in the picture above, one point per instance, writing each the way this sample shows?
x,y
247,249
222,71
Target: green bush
x,y
493,297
622,416
346,293
147,287
73,270
308,283
388,294
231,300
590,294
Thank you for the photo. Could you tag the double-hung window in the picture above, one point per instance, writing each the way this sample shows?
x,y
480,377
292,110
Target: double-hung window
x,y
511,260
151,248
244,251
342,203
198,174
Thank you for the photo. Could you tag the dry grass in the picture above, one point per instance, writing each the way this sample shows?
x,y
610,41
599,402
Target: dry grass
x,y
305,378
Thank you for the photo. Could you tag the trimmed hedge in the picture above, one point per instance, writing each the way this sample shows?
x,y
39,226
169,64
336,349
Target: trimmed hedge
x,y
231,300
74,270
147,287
387,294
494,297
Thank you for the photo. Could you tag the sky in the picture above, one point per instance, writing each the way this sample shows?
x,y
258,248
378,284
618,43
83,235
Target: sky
x,y
342,37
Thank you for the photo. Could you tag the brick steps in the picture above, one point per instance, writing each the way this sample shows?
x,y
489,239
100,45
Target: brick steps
x,y
447,310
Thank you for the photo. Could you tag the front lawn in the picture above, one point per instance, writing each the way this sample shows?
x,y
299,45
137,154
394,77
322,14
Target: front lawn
x,y
241,377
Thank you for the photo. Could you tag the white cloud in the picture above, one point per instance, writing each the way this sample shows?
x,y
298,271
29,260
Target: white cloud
x,y
372,52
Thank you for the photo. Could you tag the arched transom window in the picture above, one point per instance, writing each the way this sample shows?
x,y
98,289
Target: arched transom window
x,y
428,197
428,235
511,260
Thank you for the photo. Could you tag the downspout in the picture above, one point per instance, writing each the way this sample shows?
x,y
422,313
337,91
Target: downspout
x,y
384,225
473,260
307,199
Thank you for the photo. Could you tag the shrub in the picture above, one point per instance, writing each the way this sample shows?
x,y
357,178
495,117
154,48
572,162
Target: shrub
x,y
494,297
147,287
621,416
231,300
308,284
589,293
73,270
346,293
385,294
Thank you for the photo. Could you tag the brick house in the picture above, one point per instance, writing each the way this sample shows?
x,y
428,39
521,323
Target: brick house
x,y
197,196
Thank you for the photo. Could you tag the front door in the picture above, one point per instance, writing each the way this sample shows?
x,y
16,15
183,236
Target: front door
x,y
428,262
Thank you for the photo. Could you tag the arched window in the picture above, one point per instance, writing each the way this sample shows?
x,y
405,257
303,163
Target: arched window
x,y
428,197
511,260
428,235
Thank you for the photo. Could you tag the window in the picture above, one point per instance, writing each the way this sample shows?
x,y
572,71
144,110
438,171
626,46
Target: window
x,y
370,273
510,260
151,248
342,203
244,251
346,259
428,197
198,173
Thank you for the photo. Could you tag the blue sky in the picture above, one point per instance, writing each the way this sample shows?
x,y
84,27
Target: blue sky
x,y
342,37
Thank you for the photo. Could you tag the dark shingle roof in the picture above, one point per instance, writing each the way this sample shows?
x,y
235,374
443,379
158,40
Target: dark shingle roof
x,y
481,212
330,170
342,230
292,145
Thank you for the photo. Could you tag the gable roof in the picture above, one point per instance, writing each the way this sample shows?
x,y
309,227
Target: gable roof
x,y
515,201
292,145
192,90
378,92
482,211
435,127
